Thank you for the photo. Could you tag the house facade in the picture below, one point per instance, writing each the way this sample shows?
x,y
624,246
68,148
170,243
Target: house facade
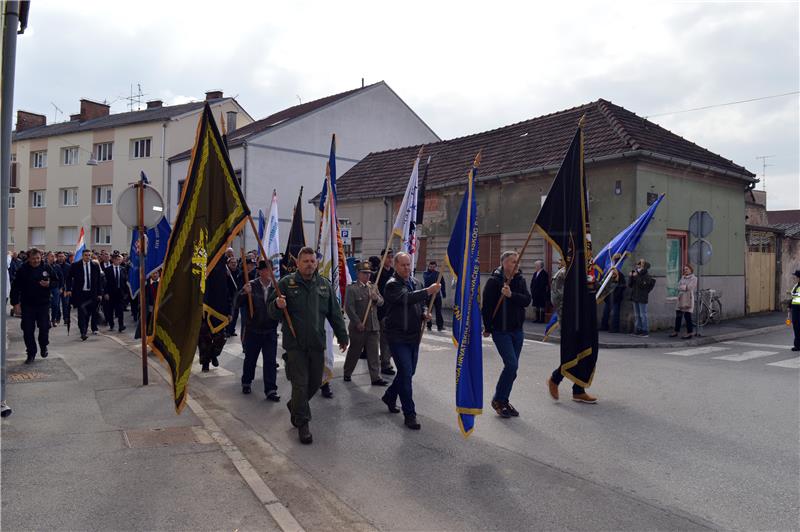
x,y
629,161
69,175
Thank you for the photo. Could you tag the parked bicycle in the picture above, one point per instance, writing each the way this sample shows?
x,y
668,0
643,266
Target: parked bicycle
x,y
710,306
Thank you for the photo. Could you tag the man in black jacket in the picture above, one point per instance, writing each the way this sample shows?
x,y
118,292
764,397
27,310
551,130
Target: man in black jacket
x,y
30,296
85,290
116,277
406,312
505,327
262,334
540,291
430,276
62,264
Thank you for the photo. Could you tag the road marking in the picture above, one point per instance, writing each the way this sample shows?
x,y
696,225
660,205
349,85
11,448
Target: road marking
x,y
750,344
790,363
697,351
215,372
747,355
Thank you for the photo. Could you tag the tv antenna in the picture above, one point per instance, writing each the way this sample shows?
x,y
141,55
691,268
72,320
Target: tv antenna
x,y
764,166
56,110
135,99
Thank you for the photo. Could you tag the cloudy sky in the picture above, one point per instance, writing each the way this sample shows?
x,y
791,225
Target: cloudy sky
x,y
463,66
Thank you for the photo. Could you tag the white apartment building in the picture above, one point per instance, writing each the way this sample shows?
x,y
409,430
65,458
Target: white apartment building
x,y
69,175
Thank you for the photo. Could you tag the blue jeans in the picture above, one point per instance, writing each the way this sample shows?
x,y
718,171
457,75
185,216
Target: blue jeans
x,y
509,345
640,313
405,358
611,312
266,344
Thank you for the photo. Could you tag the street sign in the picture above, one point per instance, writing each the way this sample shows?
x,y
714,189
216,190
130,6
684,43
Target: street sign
x,y
701,224
128,206
700,252
345,236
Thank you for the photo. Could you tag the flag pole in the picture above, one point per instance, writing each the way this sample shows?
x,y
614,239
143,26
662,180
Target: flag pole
x,y
142,300
246,275
607,279
271,275
516,267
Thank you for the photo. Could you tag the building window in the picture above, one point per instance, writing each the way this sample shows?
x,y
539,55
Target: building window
x,y
69,156
67,235
102,235
676,258
12,201
37,199
11,236
39,159
140,148
489,252
357,247
69,197
102,152
102,195
36,236
180,189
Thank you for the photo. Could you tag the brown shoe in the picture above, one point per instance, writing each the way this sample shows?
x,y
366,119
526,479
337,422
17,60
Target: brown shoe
x,y
584,398
552,388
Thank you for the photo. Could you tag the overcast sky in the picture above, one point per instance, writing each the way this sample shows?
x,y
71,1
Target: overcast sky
x,y
464,66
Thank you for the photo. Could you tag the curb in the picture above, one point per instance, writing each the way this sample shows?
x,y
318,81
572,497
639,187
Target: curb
x,y
696,341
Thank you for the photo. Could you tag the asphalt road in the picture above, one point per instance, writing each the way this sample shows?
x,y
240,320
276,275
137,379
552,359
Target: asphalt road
x,y
682,438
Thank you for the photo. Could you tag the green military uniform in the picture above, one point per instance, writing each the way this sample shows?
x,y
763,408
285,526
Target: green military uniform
x,y
355,305
557,290
309,304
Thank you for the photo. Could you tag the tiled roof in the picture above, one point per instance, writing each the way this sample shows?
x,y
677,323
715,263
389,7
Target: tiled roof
x,y
538,143
259,126
114,120
790,229
777,217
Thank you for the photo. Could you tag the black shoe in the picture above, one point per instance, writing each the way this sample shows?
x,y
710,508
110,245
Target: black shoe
x,y
84,337
94,333
274,397
204,369
122,329
501,409
392,406
30,358
796,349
326,391
440,329
305,434
430,327
512,410
347,378
215,362
233,334
111,329
412,423
245,388
388,371
380,382
44,353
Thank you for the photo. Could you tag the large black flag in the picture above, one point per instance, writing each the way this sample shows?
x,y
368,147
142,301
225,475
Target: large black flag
x,y
212,211
564,222
297,236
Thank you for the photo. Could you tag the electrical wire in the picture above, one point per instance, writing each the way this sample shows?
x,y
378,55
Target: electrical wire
x,y
724,104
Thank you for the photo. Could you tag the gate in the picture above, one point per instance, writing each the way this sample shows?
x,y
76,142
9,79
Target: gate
x,y
760,272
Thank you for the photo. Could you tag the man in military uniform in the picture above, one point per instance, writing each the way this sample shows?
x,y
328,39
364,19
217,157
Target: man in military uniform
x,y
356,299
30,296
557,287
309,300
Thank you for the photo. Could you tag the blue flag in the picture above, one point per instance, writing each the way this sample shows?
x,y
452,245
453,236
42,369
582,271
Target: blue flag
x,y
462,259
332,165
625,243
156,240
551,325
262,224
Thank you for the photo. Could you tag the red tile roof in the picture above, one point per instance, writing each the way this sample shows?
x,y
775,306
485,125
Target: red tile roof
x,y
784,217
535,144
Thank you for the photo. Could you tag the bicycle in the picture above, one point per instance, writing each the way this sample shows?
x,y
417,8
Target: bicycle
x,y
710,306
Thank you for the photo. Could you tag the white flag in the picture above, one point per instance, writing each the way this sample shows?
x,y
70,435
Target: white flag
x,y
272,237
405,223
329,268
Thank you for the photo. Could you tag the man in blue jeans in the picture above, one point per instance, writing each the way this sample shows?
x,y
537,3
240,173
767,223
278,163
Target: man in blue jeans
x,y
406,313
262,334
505,327
641,283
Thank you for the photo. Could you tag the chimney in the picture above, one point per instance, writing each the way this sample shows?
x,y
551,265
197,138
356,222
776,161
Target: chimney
x,y
155,104
74,117
90,109
26,120
231,115
213,95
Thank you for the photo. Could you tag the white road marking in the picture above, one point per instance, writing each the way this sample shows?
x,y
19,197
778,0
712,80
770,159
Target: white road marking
x,y
747,355
790,363
213,372
697,351
767,346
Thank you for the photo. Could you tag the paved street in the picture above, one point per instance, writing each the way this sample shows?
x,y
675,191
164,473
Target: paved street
x,y
682,438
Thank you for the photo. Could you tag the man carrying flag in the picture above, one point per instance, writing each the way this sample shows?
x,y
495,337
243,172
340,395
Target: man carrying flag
x,y
212,212
462,259
564,222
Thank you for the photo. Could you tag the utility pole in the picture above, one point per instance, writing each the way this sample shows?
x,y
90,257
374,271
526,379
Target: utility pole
x,y
764,166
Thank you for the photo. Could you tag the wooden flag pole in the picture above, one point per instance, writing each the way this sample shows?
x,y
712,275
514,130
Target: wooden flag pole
x,y
246,276
378,277
516,267
271,274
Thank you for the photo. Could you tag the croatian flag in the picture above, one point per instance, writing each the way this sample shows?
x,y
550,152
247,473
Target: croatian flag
x,y
79,248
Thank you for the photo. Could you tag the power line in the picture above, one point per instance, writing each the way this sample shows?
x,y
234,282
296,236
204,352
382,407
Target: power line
x,y
725,104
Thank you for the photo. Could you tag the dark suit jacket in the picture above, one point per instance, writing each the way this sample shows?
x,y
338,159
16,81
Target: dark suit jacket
x,y
540,289
115,293
75,281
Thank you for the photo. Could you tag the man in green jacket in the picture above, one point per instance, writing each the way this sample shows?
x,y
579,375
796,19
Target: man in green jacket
x,y
310,300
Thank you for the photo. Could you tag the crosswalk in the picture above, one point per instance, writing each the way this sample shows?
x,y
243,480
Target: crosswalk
x,y
739,352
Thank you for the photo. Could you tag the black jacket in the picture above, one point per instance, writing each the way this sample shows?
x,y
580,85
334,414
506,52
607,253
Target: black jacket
x,y
540,289
260,322
511,315
111,289
385,276
404,309
641,284
26,289
75,281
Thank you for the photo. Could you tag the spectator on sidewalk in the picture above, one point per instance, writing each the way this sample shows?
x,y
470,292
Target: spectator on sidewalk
x,y
540,291
687,286
641,284
30,297
430,276
796,311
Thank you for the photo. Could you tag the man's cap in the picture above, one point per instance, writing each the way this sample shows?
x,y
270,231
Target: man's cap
x,y
364,266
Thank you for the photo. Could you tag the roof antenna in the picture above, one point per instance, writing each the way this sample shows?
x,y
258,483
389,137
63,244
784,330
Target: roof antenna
x,y
299,101
362,83
135,99
56,111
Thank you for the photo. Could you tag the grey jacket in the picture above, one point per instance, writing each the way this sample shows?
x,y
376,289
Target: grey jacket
x,y
356,300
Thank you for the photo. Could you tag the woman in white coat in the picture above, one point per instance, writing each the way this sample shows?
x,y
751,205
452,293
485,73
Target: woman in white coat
x,y
687,286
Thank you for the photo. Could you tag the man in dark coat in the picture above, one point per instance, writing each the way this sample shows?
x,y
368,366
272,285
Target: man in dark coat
x,y
85,290
117,289
641,283
430,276
30,296
261,337
540,291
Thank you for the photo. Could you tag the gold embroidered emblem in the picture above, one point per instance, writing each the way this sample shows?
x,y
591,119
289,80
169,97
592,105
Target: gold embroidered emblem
x,y
200,259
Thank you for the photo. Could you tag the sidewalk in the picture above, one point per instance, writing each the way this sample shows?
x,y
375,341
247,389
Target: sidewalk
x,y
89,448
